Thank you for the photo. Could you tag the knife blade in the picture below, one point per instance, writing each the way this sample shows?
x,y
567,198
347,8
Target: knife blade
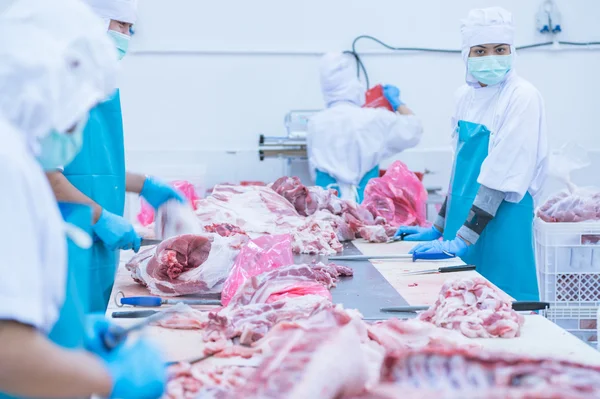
x,y
115,335
146,242
445,269
133,314
519,306
414,257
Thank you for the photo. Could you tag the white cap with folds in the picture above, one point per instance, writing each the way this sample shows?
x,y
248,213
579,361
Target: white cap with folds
x,y
57,63
339,81
487,26
118,10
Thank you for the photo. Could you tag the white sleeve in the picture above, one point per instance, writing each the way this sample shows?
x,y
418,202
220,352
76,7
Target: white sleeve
x,y
511,164
21,285
400,132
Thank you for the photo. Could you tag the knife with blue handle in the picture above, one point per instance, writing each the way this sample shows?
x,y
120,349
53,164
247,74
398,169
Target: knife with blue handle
x,y
154,301
415,257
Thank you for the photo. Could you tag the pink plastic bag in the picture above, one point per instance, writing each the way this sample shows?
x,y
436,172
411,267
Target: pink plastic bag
x,y
258,256
398,196
146,214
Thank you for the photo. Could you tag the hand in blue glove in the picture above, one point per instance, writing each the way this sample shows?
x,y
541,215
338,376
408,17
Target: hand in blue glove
x,y
137,371
96,325
116,232
392,94
157,192
457,247
415,233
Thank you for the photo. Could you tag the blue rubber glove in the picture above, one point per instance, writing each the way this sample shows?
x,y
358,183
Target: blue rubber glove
x,y
116,232
457,247
415,233
96,326
137,371
392,94
157,192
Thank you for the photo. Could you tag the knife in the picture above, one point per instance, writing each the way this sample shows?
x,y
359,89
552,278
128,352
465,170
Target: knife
x,y
115,335
134,314
155,301
445,269
397,238
414,257
146,242
517,306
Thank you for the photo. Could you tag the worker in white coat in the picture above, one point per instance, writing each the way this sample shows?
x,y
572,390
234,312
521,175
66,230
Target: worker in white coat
x,y
346,143
499,127
47,88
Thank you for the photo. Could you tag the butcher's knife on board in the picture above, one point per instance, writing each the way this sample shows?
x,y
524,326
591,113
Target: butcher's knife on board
x,y
115,335
155,301
517,306
414,257
445,269
146,242
134,314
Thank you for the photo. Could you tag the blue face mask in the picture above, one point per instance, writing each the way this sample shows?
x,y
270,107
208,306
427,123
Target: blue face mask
x,y
59,149
491,69
121,41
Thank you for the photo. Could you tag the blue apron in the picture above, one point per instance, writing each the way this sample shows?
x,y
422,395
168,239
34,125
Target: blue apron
x,y
68,331
326,181
98,171
504,253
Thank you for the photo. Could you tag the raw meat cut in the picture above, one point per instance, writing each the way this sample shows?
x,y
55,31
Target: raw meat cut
x,y
260,210
397,334
186,264
253,321
258,256
223,229
186,381
454,369
308,200
566,207
475,308
398,196
374,233
311,360
289,281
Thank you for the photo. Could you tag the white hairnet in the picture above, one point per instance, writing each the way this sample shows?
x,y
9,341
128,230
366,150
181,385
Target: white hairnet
x,y
487,26
82,64
118,10
339,81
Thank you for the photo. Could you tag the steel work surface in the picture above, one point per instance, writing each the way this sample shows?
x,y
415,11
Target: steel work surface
x,y
366,291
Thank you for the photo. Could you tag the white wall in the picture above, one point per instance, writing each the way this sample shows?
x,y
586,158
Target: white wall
x,y
204,78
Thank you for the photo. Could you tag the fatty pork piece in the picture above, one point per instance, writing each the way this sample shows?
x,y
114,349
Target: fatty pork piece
x,y
476,308
186,264
315,358
290,281
453,371
394,334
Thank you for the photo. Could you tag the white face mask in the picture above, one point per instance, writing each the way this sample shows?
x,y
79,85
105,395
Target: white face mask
x,y
59,149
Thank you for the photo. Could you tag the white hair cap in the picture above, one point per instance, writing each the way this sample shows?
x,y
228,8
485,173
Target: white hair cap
x,y
339,81
118,10
57,63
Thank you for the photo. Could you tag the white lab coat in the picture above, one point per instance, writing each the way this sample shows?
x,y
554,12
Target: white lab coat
x,y
32,240
513,111
347,141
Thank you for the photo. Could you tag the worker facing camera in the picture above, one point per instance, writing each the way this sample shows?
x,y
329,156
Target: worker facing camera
x,y
500,162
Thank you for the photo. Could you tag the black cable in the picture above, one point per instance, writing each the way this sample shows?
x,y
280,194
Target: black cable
x,y
360,66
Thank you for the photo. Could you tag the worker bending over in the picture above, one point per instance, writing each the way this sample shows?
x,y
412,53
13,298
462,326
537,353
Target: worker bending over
x,y
346,143
499,127
47,88
97,176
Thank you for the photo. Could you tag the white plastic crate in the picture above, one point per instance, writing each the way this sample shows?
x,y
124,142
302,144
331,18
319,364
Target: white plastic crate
x,y
579,321
568,262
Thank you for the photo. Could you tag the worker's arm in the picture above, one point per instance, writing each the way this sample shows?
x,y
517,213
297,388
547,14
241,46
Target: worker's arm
x,y
134,182
32,366
65,191
404,110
